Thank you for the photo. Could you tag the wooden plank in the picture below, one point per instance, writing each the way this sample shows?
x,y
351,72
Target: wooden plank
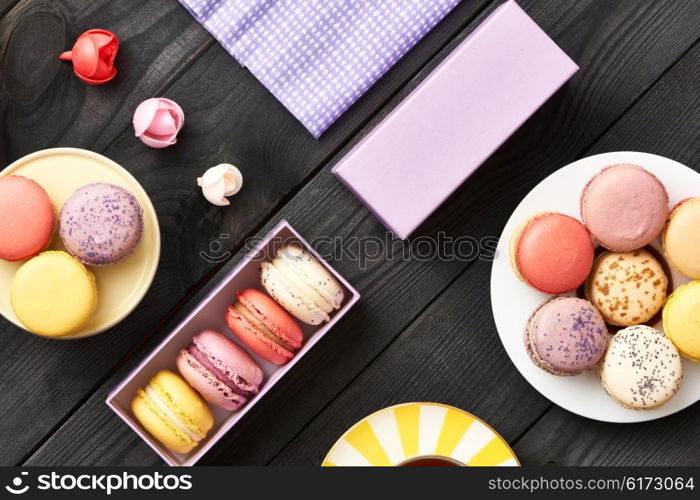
x,y
6,5
395,292
230,117
562,438
665,122
43,104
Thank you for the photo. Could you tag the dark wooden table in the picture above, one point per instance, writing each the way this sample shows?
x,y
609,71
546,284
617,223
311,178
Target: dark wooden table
x,y
423,330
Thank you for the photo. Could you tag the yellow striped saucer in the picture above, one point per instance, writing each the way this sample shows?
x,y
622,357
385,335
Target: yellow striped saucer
x,y
398,433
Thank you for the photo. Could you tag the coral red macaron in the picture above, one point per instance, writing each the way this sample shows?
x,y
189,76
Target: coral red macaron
x,y
552,252
264,327
27,218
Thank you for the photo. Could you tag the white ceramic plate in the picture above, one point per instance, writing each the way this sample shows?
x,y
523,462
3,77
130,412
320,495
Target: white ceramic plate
x,y
513,301
120,287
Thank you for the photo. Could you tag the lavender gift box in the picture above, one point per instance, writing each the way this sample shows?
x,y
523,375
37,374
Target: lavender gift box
x,y
406,167
209,313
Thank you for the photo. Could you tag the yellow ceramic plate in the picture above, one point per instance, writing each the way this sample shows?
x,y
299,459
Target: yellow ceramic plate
x,y
396,434
120,287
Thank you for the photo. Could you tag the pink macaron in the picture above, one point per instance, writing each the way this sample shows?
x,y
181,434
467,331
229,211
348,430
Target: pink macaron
x,y
625,207
221,371
27,218
552,252
264,327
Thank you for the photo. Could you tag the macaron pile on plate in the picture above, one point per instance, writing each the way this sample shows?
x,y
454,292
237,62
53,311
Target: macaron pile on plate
x,y
624,201
101,233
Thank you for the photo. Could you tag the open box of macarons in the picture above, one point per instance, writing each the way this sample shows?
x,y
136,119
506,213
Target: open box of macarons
x,y
595,287
234,346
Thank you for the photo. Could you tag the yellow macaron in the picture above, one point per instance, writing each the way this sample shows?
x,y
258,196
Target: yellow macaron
x,y
172,412
681,239
53,294
682,319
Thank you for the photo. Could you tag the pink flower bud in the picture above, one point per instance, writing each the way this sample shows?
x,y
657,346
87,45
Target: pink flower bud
x,y
157,122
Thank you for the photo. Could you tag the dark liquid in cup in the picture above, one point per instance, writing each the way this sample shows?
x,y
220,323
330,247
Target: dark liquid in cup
x,y
431,462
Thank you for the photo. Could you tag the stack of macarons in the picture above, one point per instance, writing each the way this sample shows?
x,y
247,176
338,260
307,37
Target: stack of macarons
x,y
623,286
214,369
53,293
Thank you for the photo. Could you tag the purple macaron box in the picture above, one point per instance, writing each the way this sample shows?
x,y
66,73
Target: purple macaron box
x,y
210,313
476,98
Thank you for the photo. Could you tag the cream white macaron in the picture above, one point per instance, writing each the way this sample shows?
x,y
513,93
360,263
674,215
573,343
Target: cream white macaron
x,y
641,368
300,284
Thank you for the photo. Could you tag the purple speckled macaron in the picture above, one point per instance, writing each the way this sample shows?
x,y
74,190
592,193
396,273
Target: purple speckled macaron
x,y
101,224
566,336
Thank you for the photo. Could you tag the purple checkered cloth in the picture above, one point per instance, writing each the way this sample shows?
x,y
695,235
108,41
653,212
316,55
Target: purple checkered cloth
x,y
318,56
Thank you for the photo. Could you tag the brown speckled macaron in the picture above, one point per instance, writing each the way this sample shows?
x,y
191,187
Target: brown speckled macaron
x,y
627,288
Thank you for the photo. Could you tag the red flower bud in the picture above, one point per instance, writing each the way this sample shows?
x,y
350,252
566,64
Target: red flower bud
x,y
93,56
